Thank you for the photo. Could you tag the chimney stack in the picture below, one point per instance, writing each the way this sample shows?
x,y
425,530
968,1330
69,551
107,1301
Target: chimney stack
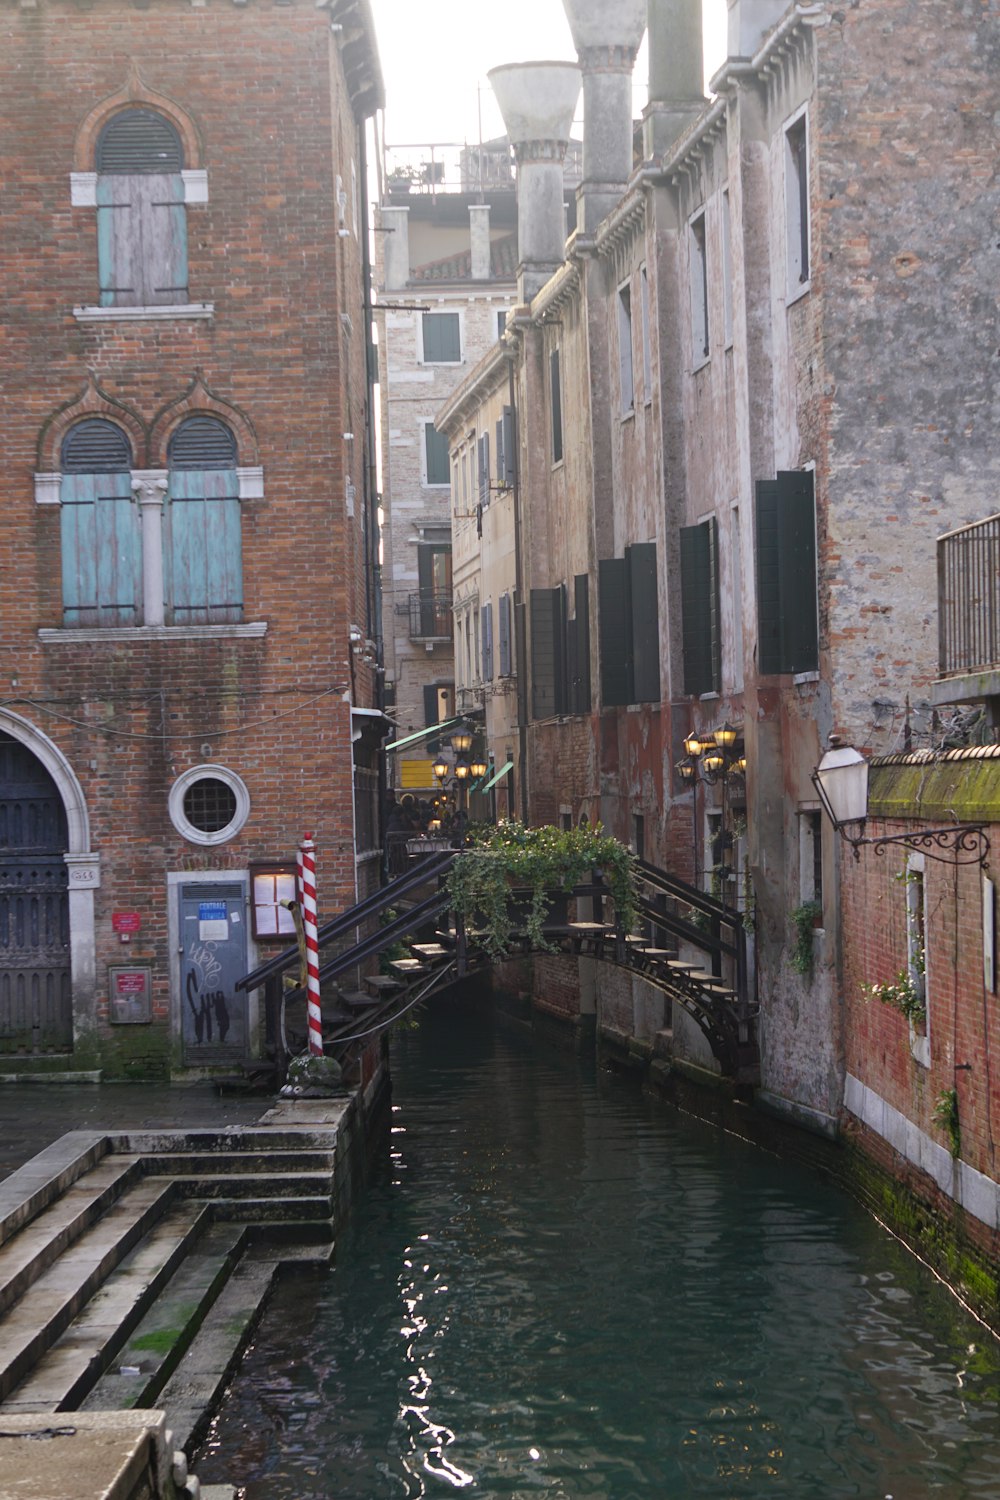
x,y
676,73
749,23
537,101
607,35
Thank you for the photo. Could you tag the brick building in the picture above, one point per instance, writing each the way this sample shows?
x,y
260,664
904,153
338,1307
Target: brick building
x,y
752,390
186,517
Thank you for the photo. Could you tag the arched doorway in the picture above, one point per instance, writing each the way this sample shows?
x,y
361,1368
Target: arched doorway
x,y
36,1012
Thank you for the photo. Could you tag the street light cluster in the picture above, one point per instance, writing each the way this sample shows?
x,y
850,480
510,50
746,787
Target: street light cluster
x,y
715,754
461,772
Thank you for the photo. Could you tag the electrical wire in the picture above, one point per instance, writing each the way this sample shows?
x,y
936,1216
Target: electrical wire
x,y
208,731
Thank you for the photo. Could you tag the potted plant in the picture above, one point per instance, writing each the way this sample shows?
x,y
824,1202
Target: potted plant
x,y
511,857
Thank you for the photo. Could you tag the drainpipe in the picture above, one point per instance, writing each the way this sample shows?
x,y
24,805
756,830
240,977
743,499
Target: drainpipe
x,y
607,38
537,101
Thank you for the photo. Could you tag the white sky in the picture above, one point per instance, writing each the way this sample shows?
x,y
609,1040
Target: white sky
x,y
436,54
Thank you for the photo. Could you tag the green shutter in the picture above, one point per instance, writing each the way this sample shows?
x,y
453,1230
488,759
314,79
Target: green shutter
x,y
581,684
797,561
645,622
436,450
786,574
700,608
614,620
442,339
101,550
548,652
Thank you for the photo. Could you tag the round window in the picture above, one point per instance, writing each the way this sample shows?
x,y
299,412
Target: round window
x,y
208,804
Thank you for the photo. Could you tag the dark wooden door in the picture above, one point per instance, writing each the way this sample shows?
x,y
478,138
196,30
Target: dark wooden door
x,y
36,1013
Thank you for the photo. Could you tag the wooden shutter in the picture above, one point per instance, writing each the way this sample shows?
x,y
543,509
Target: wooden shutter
x,y
101,550
786,574
483,451
700,607
581,682
506,472
119,241
442,339
614,632
486,624
163,228
503,631
204,561
555,393
139,140
436,455
645,622
548,634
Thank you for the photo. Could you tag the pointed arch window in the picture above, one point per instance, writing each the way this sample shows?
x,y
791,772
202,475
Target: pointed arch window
x,y
142,248
204,560
100,533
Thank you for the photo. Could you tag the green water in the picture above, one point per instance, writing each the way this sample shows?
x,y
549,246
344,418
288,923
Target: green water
x,y
554,1287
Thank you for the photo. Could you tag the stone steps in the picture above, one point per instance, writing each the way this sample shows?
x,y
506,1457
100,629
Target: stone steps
x,y
63,1375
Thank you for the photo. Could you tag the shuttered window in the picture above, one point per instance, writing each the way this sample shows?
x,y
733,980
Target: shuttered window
x,y
504,635
487,627
555,401
142,248
101,545
579,635
700,608
436,458
505,449
203,553
483,462
628,627
787,599
548,652
442,338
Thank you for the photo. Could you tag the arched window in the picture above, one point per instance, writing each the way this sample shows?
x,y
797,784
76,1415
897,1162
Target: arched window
x,y
204,561
141,219
101,544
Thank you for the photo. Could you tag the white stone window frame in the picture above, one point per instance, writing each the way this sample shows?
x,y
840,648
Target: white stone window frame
x,y
83,194
796,226
697,243
436,311
190,778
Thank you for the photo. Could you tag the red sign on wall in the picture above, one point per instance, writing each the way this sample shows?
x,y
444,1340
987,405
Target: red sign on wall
x,y
131,984
125,921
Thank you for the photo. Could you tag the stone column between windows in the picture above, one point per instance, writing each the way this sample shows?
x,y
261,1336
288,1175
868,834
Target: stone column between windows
x,y
150,487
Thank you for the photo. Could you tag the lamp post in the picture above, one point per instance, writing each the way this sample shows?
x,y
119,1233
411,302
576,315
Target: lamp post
x,y
712,758
841,782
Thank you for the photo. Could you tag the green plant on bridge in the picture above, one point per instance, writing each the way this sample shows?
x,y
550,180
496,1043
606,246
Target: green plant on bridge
x,y
512,857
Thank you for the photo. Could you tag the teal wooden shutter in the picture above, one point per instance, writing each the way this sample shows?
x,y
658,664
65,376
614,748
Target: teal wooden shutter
x,y
548,631
786,574
442,338
645,622
581,684
101,550
436,455
204,557
119,241
700,608
614,632
164,247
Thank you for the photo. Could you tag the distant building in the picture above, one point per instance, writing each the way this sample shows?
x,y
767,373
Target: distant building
x,y
188,634
446,261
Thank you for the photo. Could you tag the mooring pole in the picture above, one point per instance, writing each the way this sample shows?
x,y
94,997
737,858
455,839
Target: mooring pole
x,y
307,859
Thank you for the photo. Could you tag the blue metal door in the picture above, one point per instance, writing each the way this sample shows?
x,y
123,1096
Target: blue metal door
x,y
213,957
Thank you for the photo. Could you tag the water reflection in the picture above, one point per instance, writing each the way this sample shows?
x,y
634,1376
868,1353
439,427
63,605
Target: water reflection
x,y
557,1288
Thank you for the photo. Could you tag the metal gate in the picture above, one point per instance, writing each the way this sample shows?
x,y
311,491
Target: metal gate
x,y
213,957
36,1011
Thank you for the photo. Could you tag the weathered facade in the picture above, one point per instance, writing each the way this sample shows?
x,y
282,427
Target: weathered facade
x,y
186,512
445,274
742,425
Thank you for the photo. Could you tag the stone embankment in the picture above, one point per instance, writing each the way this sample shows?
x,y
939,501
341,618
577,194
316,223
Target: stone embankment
x,y
133,1267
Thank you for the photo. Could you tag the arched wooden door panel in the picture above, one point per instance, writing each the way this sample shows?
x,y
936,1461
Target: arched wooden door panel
x,y
36,1013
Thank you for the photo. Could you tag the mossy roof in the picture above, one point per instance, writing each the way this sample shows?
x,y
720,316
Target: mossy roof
x,y
957,786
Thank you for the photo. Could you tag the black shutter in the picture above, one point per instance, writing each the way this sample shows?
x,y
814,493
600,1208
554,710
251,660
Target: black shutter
x,y
431,715
548,650
95,446
700,608
614,627
645,622
581,591
202,443
555,392
786,574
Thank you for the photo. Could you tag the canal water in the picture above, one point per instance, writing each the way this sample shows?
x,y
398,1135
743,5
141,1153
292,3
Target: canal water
x,y
556,1287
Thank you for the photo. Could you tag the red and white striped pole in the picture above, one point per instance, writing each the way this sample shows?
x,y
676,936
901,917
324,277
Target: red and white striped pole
x,y
307,869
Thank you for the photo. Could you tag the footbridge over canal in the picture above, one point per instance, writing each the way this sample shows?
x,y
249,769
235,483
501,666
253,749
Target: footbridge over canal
x,y
712,983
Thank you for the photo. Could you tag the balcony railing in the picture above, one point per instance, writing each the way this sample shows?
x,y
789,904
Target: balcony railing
x,y
430,617
969,598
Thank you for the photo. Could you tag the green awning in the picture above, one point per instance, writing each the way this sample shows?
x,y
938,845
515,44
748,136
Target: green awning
x,y
504,771
423,734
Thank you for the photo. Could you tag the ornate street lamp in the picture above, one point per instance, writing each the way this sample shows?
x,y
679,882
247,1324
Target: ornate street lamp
x,y
461,743
841,782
